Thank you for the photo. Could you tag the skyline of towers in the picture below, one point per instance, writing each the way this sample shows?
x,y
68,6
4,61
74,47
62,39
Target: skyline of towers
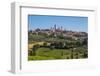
x,y
54,28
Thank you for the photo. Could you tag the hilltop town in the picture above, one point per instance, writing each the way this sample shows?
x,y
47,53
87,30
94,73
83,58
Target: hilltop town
x,y
60,32
57,43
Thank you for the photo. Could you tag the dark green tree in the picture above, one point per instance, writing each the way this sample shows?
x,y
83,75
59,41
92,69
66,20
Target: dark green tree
x,y
34,48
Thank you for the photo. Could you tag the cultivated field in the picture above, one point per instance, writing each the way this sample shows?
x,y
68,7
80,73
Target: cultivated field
x,y
49,48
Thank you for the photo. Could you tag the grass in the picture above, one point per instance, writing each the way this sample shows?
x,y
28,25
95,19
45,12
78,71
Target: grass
x,y
39,58
43,53
56,53
48,54
71,51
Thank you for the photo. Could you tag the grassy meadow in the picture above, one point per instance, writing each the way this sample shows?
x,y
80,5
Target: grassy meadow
x,y
43,47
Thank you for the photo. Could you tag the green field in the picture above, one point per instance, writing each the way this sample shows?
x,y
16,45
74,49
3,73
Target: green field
x,y
43,47
48,54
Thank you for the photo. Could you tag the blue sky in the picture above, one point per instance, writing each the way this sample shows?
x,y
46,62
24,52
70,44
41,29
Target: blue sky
x,y
74,23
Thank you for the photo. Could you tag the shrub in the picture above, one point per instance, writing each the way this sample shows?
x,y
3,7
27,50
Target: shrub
x,y
30,53
34,48
44,44
52,47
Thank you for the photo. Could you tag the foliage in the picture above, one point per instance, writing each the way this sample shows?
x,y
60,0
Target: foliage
x,y
47,53
46,47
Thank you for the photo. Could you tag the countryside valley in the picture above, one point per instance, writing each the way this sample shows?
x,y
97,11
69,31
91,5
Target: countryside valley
x,y
57,43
